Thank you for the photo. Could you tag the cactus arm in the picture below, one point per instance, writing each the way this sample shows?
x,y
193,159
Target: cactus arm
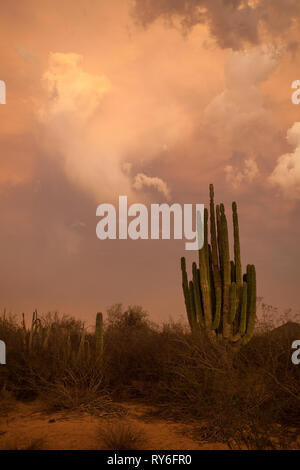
x,y
251,310
186,293
237,249
197,296
193,320
205,246
233,301
243,319
217,317
213,238
219,237
226,274
232,271
205,277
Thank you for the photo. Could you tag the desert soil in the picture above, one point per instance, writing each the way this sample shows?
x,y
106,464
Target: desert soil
x,y
26,425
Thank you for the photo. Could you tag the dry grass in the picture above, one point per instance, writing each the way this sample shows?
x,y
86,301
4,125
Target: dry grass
x,y
76,390
120,436
241,396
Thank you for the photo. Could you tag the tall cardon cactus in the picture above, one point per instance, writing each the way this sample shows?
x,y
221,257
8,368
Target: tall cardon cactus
x,y
220,300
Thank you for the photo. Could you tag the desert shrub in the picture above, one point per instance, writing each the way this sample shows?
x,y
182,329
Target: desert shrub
x,y
248,398
77,389
120,436
183,375
269,355
49,353
257,435
131,345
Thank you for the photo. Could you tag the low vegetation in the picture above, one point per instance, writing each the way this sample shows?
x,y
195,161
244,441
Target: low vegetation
x,y
120,436
247,397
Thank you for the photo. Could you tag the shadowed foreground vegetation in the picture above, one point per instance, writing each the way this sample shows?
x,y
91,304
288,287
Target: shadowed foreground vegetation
x,y
247,397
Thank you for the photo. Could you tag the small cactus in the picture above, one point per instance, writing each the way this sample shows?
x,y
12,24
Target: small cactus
x,y
218,299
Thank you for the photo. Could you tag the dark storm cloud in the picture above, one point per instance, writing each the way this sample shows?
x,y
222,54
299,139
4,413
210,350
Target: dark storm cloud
x,y
232,22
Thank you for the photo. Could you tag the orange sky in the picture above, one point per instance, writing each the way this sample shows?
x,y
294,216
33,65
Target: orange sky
x,y
99,92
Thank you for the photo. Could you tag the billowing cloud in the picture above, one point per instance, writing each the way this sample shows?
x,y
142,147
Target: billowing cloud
x,y
76,131
237,115
247,174
286,174
143,181
232,23
98,134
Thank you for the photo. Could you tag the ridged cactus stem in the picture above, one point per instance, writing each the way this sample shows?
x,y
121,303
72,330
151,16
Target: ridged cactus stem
x,y
237,249
205,246
233,301
226,274
237,259
213,238
217,317
193,321
243,319
219,237
251,307
197,296
205,278
219,300
185,287
32,330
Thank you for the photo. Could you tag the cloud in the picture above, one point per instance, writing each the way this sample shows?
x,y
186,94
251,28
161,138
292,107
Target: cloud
x,y
235,177
143,181
286,174
75,129
237,115
100,135
232,23
71,89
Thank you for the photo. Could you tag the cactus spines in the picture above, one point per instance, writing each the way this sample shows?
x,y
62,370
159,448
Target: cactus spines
x,y
99,335
219,299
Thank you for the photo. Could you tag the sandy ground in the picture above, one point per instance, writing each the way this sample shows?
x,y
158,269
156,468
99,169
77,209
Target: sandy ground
x,y
27,426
